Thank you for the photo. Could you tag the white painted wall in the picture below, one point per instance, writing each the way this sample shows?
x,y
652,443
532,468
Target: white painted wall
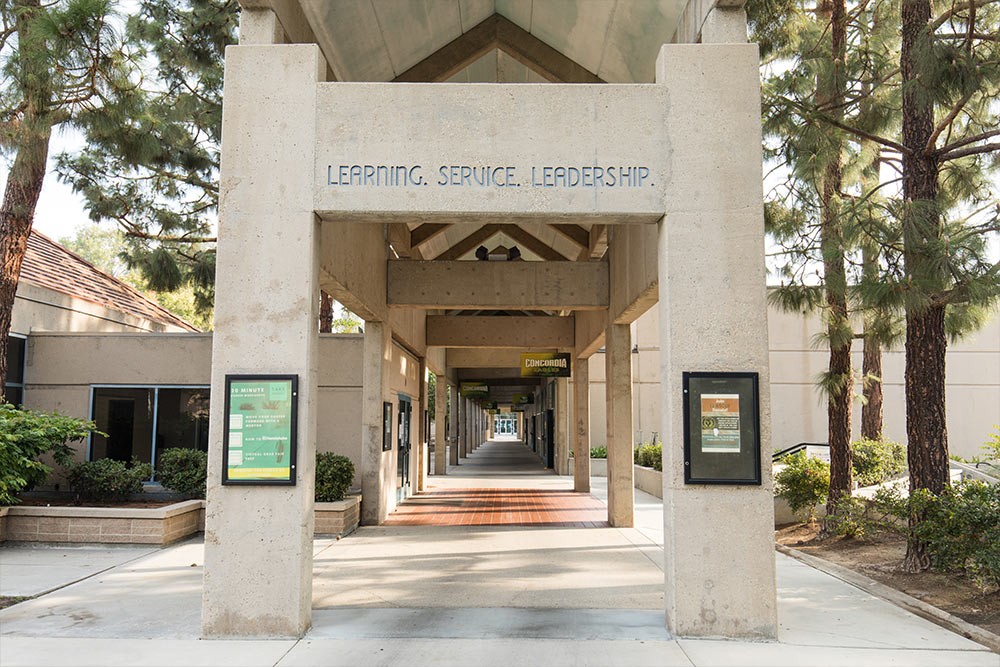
x,y
798,412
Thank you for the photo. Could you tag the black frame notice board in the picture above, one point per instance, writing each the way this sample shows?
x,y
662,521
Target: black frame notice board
x,y
721,428
386,426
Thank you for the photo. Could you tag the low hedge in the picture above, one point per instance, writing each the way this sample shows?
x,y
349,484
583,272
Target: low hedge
x,y
106,480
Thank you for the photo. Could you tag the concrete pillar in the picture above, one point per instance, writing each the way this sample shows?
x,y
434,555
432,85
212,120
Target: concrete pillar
x,y
440,432
562,403
618,361
378,488
258,546
718,539
725,25
581,421
454,430
424,438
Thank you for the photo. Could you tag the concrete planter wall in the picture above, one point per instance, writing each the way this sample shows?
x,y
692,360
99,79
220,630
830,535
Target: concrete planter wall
x,y
104,525
649,480
3,524
598,467
338,518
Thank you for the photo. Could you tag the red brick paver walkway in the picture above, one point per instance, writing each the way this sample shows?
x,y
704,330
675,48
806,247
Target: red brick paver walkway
x,y
501,507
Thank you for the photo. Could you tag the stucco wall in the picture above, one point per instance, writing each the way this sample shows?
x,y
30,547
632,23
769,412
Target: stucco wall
x,y
61,367
798,412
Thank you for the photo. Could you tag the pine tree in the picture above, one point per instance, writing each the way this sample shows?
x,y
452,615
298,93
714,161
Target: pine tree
x,y
154,171
931,261
60,61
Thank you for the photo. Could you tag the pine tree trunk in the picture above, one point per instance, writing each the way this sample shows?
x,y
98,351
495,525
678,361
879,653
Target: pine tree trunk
x,y
871,411
24,182
325,313
841,389
926,343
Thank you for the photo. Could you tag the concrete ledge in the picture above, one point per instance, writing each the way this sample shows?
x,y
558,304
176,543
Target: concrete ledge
x,y
649,480
598,467
898,598
104,525
338,518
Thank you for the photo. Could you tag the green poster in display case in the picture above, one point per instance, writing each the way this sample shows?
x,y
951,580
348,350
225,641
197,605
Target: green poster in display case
x,y
259,444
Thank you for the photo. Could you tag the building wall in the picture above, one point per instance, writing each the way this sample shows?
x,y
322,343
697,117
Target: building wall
x,y
61,367
798,410
41,309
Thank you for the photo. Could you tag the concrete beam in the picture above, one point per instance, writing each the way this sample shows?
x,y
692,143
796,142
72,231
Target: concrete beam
x,y
352,267
498,285
590,328
632,264
497,32
532,243
426,232
598,242
488,357
574,233
469,242
484,331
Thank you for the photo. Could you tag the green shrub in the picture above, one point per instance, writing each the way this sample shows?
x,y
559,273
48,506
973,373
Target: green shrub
x,y
107,480
859,518
803,483
183,470
876,461
334,476
650,456
961,528
599,452
27,435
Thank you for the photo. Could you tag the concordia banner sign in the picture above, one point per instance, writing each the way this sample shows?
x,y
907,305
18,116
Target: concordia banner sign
x,y
474,390
545,364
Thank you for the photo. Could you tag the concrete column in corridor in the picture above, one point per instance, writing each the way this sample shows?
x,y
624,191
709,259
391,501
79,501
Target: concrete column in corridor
x,y
377,486
581,423
562,431
453,429
618,362
424,440
440,432
259,538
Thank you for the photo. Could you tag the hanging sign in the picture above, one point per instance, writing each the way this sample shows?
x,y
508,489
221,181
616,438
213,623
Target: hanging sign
x,y
545,364
474,390
523,399
260,429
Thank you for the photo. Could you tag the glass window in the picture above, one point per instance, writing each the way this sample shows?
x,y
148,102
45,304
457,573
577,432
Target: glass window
x,y
182,419
126,415
14,387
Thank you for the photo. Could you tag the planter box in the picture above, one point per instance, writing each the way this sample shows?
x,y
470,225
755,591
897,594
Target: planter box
x,y
104,525
338,518
598,467
3,523
649,480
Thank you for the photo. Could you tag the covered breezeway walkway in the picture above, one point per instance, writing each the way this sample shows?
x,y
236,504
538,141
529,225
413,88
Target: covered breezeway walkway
x,y
501,483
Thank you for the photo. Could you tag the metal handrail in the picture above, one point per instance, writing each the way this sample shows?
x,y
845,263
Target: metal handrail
x,y
796,448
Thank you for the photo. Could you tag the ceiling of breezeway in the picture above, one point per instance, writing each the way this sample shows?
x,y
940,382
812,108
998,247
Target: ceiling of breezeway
x,y
377,40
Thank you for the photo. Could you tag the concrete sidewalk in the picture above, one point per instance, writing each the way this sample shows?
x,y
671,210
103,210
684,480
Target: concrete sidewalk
x,y
464,595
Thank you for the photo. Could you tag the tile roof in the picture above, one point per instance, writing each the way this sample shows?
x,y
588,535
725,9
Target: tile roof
x,y
49,265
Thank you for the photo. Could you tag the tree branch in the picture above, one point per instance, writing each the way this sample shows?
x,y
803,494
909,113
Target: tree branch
x,y
976,150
